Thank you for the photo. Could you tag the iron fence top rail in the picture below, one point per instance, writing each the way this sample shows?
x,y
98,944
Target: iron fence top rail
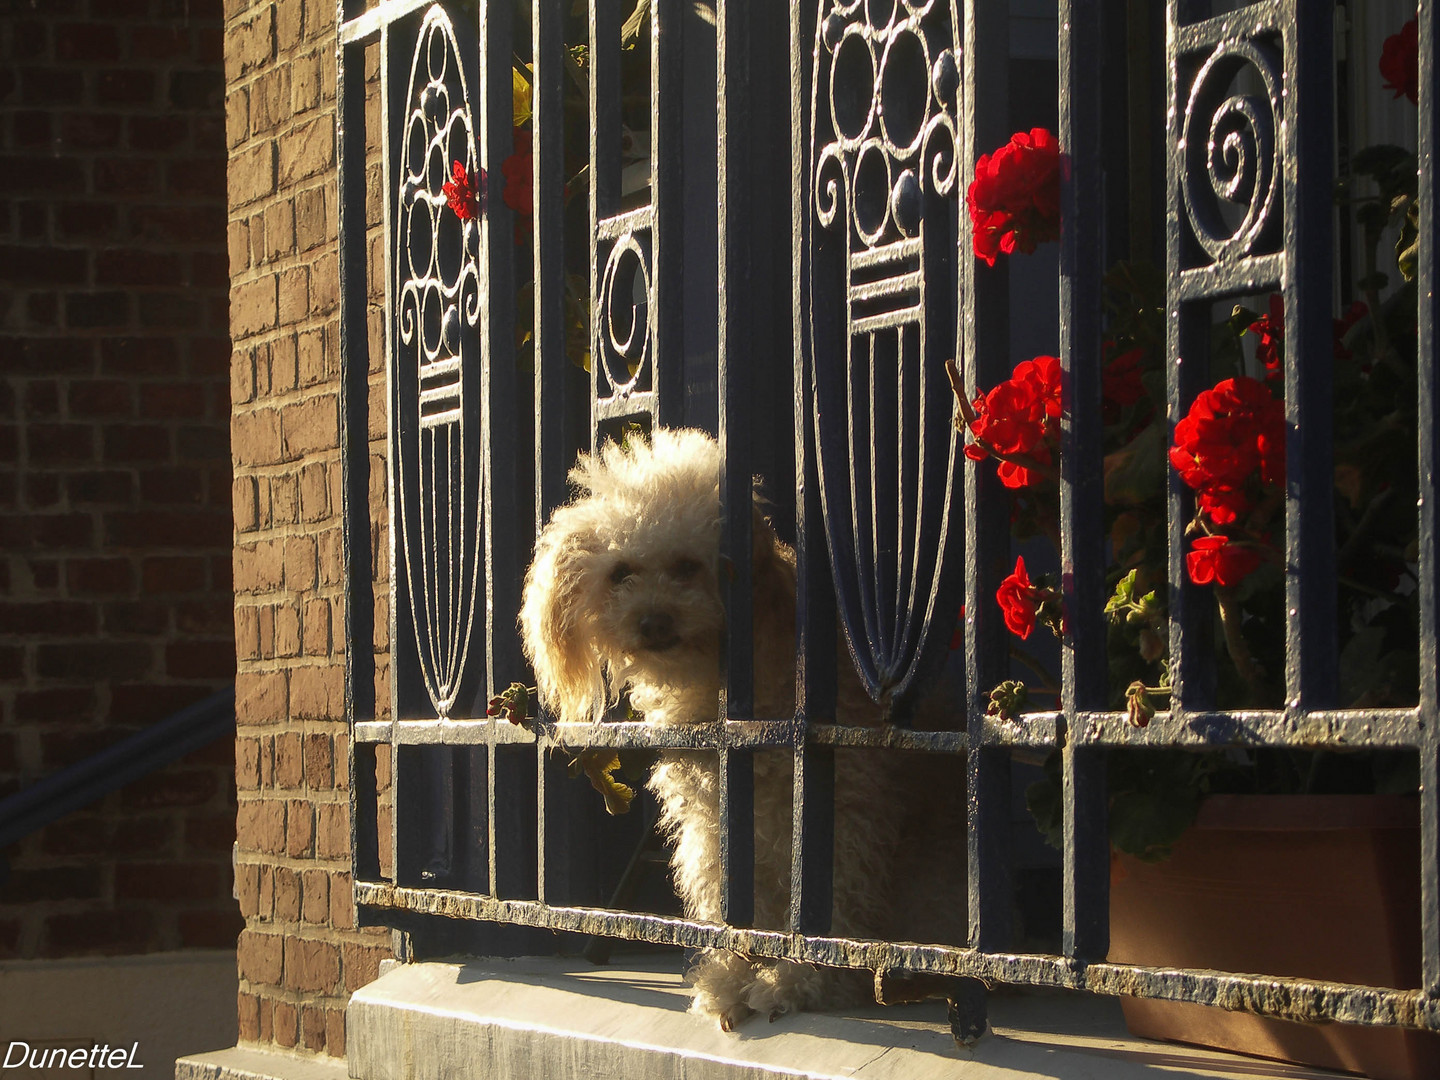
x,y
1297,999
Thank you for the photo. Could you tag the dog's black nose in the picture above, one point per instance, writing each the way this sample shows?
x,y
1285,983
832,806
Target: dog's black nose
x,y
657,629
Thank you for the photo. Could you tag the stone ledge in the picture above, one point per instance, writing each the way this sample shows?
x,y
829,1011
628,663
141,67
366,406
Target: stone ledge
x,y
551,1018
247,1063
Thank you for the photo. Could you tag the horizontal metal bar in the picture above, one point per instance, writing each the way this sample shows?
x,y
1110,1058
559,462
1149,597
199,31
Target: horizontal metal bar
x,y
363,26
899,317
1347,729
620,406
631,221
446,732
1246,22
1215,281
1293,999
1031,730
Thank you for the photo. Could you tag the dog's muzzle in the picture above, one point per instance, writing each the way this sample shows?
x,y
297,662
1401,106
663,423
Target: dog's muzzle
x,y
657,631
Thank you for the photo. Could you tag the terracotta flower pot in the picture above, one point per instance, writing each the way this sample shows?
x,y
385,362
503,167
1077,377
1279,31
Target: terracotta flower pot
x,y
1311,886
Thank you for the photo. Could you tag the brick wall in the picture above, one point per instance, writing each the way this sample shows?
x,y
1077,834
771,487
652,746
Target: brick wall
x,y
300,954
114,462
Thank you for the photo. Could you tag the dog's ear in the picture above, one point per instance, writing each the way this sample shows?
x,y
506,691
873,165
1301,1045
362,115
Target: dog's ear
x,y
772,562
556,628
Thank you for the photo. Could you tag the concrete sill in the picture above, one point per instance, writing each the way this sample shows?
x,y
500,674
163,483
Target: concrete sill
x,y
550,1018
250,1063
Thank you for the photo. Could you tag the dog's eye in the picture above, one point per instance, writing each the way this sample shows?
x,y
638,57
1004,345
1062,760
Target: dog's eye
x,y
620,573
684,569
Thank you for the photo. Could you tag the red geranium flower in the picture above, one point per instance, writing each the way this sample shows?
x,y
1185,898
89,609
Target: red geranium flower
x,y
464,195
1400,62
1217,560
1019,417
1271,329
519,176
1018,600
1120,383
1231,434
1014,200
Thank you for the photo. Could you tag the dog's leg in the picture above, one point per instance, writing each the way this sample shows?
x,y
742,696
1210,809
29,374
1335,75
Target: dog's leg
x,y
722,980
786,986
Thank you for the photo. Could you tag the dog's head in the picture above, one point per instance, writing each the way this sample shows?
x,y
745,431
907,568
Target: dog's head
x,y
623,589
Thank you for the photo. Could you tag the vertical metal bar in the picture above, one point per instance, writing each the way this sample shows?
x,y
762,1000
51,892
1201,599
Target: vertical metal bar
x,y
355,452
667,195
499,431
1309,134
735,358
1192,674
604,154
554,380
1427,279
1082,555
813,794
983,350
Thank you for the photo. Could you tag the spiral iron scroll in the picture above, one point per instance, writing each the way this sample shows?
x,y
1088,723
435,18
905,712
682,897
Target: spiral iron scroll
x,y
438,478
881,247
1231,185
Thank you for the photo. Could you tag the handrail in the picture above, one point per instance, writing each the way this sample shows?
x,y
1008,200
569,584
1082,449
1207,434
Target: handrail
x,y
113,767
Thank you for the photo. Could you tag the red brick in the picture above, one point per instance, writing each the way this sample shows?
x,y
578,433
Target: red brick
x,y
101,398
126,176
136,443
332,831
99,576
97,310
260,826
86,43
93,660
267,1023
96,835
135,617
136,267
335,1032
172,399
178,224
362,965
128,357
90,131
157,133
200,659
209,929
315,896
206,618
44,265
50,86
109,933
158,42
287,894
261,957
42,398
109,487
166,881
286,1024
172,574
171,310
248,1005
168,529
131,87
30,885
314,966
85,221
312,1027
172,787
54,704
172,486
210,834
299,828
48,618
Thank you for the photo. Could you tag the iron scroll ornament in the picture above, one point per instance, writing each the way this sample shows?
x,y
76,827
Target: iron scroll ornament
x,y
436,364
1231,185
881,257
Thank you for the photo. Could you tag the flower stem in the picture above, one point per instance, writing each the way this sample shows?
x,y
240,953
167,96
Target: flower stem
x,y
1231,618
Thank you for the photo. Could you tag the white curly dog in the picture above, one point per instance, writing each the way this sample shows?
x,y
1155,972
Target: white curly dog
x,y
623,595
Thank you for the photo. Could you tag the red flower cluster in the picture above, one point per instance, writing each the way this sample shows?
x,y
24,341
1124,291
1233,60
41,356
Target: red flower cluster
x,y
1400,62
1219,560
1019,600
1271,329
1121,385
465,194
518,168
1232,433
1019,417
1014,200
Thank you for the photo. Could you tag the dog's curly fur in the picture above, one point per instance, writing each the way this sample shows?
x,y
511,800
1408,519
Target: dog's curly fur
x,y
623,595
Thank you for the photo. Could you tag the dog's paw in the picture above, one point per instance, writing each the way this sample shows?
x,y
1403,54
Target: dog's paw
x,y
721,980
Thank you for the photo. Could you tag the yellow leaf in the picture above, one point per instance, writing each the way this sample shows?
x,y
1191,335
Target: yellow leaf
x,y
598,765
522,94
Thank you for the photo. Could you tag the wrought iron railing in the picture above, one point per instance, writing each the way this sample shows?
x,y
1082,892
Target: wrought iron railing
x,y
856,123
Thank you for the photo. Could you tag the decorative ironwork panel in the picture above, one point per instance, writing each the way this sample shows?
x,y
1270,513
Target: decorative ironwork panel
x,y
883,178
435,366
